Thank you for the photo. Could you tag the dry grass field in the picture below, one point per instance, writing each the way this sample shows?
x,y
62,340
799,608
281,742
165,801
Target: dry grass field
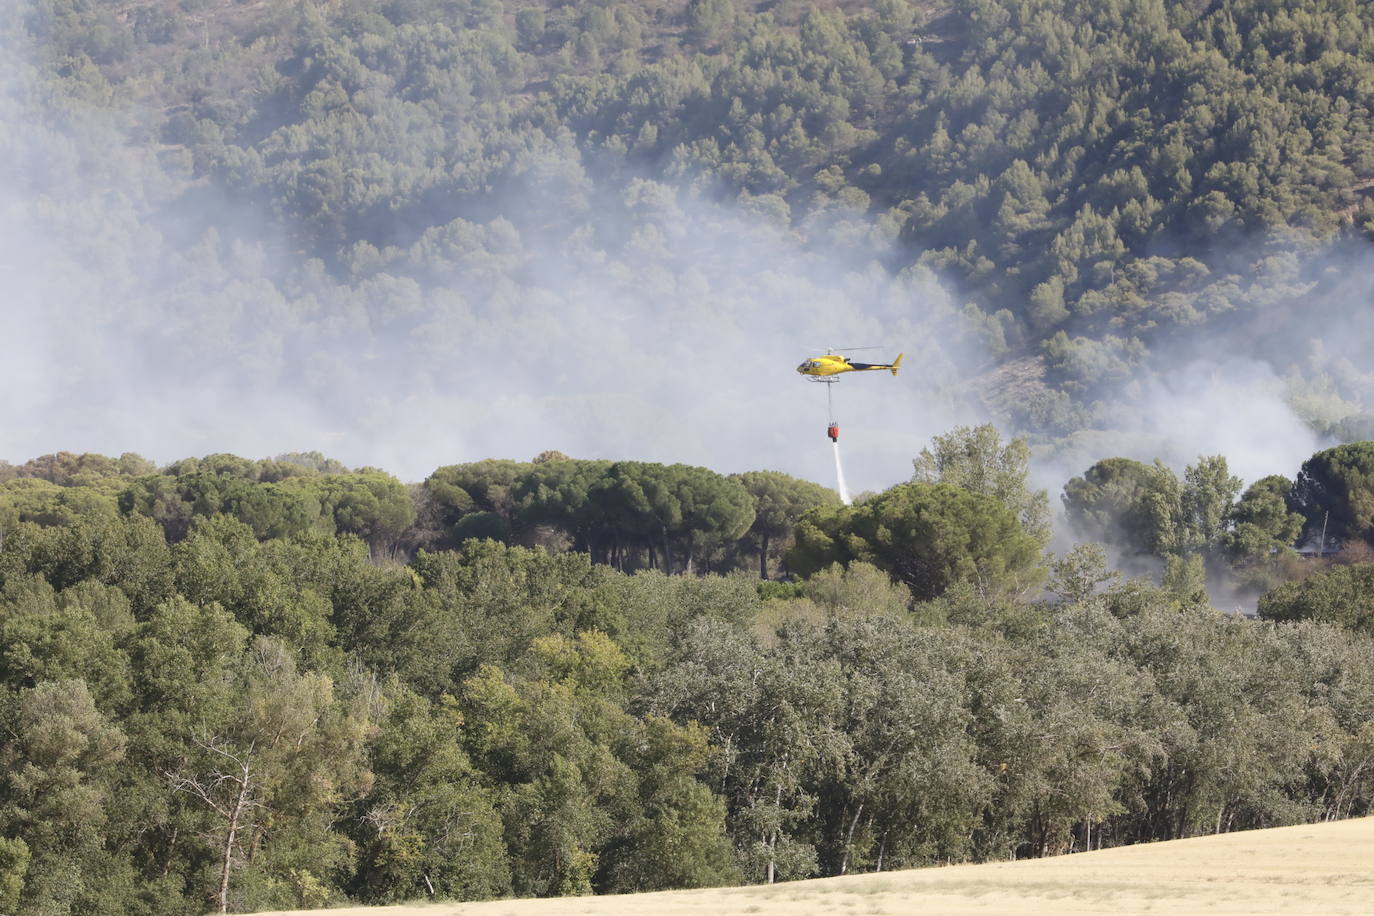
x,y
1319,869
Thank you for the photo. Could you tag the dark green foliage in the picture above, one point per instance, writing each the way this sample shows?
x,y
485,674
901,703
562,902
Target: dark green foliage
x,y
1335,489
61,762
975,460
679,841
1147,510
928,536
488,603
14,864
501,719
72,636
222,563
1106,503
1264,529
779,503
1341,595
427,818
128,551
269,509
558,493
374,506
595,796
1263,517
483,486
624,513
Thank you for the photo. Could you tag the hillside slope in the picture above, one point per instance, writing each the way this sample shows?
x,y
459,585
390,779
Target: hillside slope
x,y
1321,868
1103,192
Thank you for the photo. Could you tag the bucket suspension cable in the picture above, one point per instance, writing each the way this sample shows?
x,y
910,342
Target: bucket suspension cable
x,y
832,428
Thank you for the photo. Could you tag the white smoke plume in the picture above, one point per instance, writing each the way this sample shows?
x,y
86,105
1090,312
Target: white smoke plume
x,y
671,340
1234,406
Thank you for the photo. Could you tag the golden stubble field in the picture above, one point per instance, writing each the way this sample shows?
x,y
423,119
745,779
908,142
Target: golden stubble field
x,y
1318,869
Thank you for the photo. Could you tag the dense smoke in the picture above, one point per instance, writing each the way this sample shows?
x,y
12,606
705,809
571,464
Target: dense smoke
x,y
130,335
1233,406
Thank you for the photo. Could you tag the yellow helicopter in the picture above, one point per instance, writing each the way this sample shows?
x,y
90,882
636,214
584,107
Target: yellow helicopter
x,y
825,368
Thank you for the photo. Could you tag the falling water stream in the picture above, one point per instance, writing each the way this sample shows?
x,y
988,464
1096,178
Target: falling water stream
x,y
839,475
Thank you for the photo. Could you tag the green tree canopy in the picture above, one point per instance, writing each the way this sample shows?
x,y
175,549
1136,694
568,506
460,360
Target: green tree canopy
x,y
779,502
927,536
975,459
480,486
1336,488
1342,594
1105,503
1263,524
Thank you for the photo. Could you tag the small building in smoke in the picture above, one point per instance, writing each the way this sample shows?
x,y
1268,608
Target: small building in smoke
x,y
1316,547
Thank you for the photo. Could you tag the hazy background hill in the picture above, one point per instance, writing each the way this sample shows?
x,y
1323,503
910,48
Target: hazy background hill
x,y
416,232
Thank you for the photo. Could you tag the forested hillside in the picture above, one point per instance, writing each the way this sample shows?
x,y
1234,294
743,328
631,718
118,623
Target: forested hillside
x,y
452,236
241,685
360,194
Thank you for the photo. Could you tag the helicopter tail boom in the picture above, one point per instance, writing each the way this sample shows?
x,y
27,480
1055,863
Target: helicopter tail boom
x,y
869,367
